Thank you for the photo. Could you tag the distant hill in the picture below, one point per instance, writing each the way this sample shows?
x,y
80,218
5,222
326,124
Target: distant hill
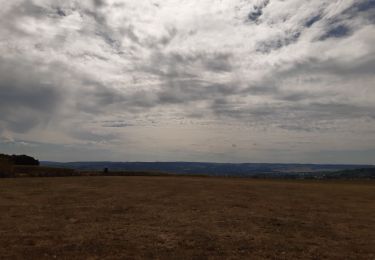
x,y
263,170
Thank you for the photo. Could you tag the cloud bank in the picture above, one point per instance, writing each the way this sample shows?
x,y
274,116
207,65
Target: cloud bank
x,y
230,80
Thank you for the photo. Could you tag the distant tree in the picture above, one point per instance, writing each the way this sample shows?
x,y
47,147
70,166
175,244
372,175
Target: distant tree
x,y
24,160
20,159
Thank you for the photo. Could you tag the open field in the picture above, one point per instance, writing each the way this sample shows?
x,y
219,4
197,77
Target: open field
x,y
185,218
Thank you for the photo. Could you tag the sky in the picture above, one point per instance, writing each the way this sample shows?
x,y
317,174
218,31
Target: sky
x,y
188,80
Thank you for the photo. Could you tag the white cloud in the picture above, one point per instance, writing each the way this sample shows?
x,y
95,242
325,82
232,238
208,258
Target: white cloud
x,y
295,66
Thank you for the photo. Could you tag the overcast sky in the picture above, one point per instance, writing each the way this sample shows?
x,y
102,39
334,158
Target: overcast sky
x,y
188,80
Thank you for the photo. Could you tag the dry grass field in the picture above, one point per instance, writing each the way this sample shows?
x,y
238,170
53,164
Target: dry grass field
x,y
185,218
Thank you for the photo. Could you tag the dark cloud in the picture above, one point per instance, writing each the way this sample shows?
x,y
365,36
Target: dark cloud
x,y
364,5
257,11
117,124
255,14
342,25
102,29
220,62
99,3
363,8
60,12
27,97
29,8
292,116
278,43
311,21
335,110
265,88
184,92
87,135
180,83
94,97
171,65
337,31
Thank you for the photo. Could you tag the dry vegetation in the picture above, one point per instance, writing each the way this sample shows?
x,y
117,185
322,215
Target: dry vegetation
x,y
6,168
39,171
185,218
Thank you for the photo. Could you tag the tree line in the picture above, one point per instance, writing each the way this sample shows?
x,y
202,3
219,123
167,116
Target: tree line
x,y
19,159
7,163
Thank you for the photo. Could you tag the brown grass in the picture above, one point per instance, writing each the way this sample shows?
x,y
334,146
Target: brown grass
x,y
41,171
185,218
6,168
